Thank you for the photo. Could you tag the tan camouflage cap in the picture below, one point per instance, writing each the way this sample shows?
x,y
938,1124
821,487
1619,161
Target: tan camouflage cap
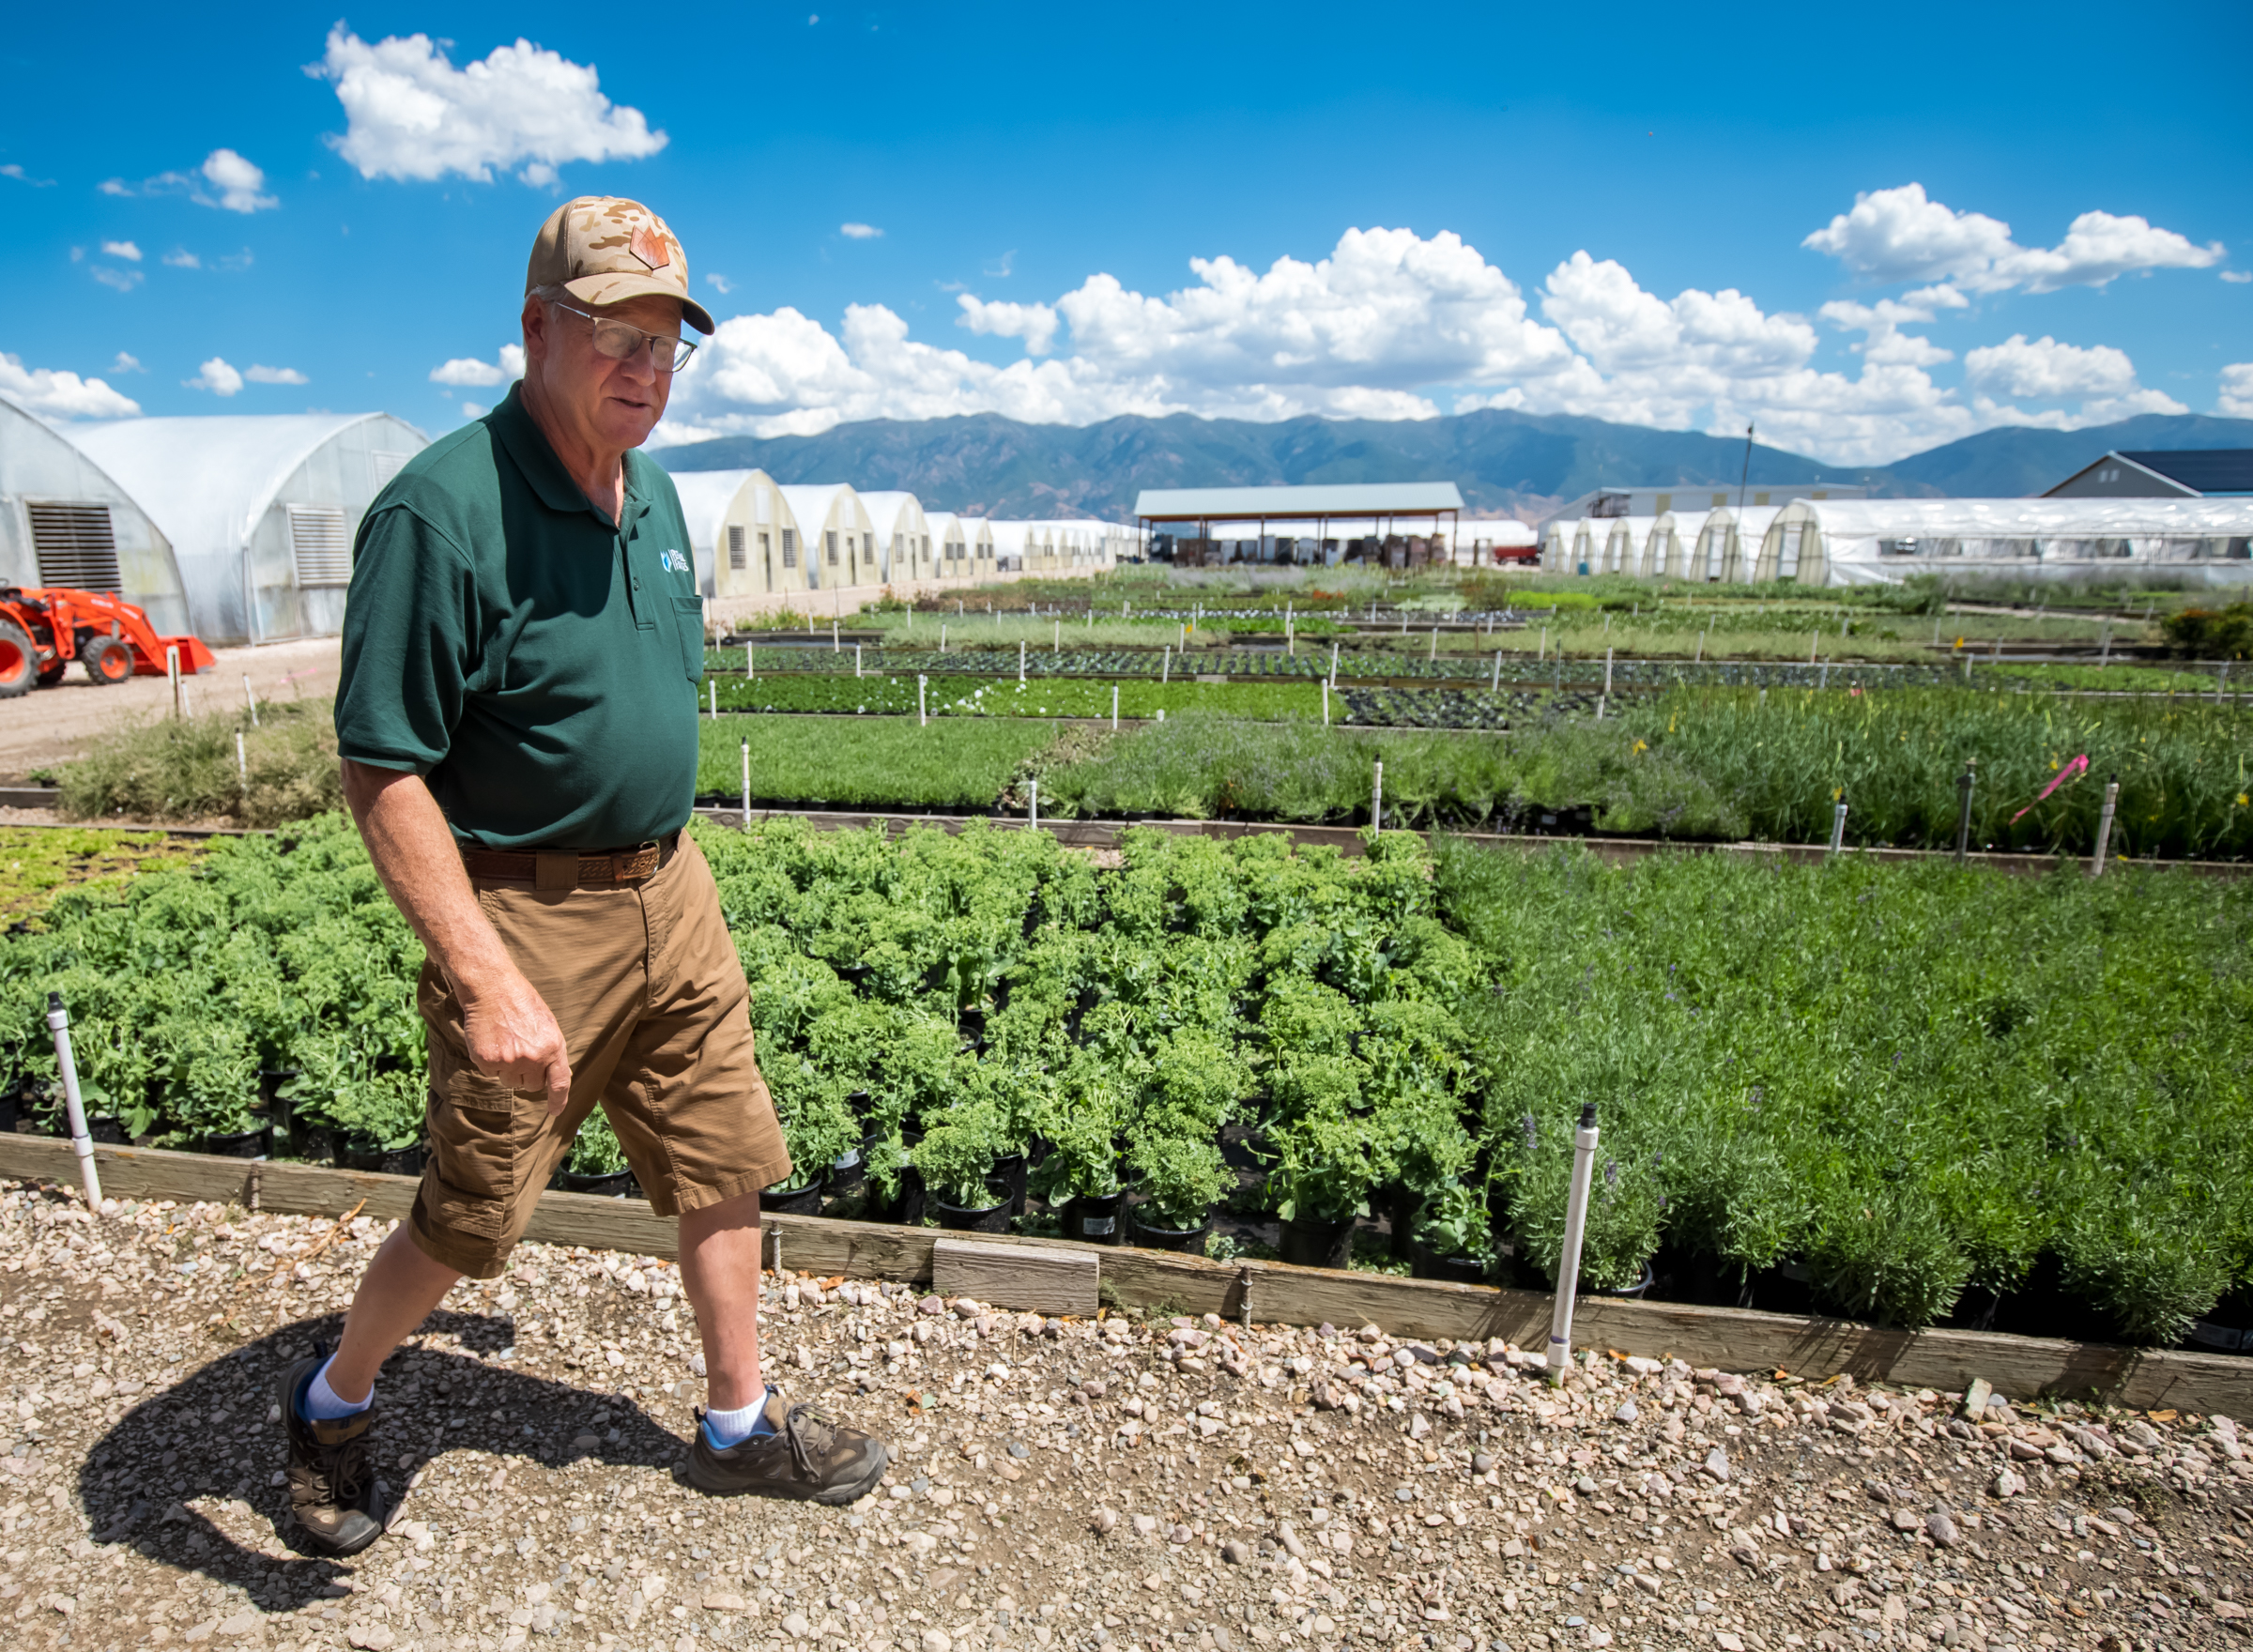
x,y
606,249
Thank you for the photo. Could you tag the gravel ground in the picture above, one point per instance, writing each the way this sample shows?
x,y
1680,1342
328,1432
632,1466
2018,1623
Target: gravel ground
x,y
1140,1482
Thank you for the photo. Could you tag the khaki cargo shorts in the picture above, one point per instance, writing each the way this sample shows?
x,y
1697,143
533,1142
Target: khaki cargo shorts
x,y
644,979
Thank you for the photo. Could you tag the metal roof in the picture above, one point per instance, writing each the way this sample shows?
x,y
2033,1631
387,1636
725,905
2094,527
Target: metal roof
x,y
1245,504
2203,470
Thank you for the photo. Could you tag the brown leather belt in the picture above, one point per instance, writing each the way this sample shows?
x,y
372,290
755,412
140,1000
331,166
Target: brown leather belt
x,y
571,868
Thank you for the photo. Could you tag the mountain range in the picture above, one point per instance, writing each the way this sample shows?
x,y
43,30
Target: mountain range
x,y
1506,463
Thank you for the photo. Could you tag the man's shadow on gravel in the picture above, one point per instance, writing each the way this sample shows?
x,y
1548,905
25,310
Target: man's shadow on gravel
x,y
207,1437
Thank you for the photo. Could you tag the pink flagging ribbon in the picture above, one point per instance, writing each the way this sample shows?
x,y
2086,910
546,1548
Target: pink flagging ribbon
x,y
2078,766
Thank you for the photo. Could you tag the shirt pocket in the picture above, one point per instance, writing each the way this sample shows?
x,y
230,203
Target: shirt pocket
x,y
688,619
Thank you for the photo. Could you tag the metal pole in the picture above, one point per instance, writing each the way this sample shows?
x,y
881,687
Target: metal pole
x,y
834,647
1434,653
1333,662
1567,1263
1963,821
1838,826
1114,708
2104,828
58,1022
250,699
172,670
923,714
746,785
943,637
1325,704
1056,643
1035,785
1607,673
856,659
1496,686
242,760
1377,801
1165,666
1020,659
711,686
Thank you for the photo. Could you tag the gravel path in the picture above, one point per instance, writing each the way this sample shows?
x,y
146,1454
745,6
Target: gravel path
x,y
1143,1482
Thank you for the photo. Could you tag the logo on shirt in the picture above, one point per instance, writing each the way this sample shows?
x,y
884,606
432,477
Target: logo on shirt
x,y
673,562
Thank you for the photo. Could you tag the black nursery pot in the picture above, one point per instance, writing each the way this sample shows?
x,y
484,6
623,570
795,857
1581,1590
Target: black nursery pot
x,y
992,1218
1182,1239
1426,1264
1009,1171
8,1113
616,1184
313,1144
254,1143
795,1201
106,1128
1310,1243
848,1171
1096,1220
365,1152
1640,1289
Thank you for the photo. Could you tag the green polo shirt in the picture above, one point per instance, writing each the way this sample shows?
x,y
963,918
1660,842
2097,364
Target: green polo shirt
x,y
533,661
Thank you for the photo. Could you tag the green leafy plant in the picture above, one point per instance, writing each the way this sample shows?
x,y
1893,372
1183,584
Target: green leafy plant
x,y
1455,1222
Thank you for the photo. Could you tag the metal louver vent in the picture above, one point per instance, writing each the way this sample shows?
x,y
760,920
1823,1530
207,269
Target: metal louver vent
x,y
383,466
737,556
320,544
74,545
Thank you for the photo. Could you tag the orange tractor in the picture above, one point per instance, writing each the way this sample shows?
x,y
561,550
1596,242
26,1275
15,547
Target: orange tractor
x,y
43,629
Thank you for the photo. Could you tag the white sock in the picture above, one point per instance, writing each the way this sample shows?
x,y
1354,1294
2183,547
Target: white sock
x,y
322,1403
732,1428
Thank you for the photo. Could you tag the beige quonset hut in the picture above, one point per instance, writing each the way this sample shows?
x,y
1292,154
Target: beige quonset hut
x,y
1674,538
950,553
261,510
66,521
1624,545
840,540
1556,544
978,543
2202,541
748,543
1729,544
903,538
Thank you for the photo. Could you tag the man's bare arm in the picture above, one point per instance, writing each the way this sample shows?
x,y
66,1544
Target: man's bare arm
x,y
513,1035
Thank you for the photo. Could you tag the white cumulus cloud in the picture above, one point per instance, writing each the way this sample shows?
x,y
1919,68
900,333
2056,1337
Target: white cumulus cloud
x,y
180,258
125,281
54,394
859,232
240,185
275,375
1033,323
411,115
2237,390
1394,325
1904,235
216,376
122,249
464,371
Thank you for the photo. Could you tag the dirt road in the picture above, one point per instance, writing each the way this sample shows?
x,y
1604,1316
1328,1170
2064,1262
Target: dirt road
x,y
53,724
1062,1486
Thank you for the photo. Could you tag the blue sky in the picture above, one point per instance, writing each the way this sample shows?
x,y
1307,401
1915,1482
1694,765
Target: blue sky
x,y
1647,213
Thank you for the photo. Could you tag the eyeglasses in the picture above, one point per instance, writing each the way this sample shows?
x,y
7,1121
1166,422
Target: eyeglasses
x,y
621,341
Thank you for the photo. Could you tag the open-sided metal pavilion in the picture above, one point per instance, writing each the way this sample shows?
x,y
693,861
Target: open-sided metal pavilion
x,y
1384,504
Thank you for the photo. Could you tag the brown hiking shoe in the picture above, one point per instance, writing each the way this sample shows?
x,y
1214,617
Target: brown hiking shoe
x,y
807,1458
331,1482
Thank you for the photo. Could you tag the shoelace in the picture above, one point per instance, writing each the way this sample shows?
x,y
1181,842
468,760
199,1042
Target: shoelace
x,y
807,1431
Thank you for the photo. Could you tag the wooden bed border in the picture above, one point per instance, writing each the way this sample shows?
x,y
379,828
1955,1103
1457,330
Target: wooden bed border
x,y
1731,1338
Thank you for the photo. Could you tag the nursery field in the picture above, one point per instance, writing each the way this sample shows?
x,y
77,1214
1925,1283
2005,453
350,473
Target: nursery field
x,y
1905,1093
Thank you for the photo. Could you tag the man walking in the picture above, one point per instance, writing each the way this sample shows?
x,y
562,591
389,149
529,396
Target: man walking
x,y
517,720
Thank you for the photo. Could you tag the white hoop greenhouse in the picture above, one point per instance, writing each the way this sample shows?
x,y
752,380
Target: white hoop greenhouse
x,y
1883,542
261,508
65,521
